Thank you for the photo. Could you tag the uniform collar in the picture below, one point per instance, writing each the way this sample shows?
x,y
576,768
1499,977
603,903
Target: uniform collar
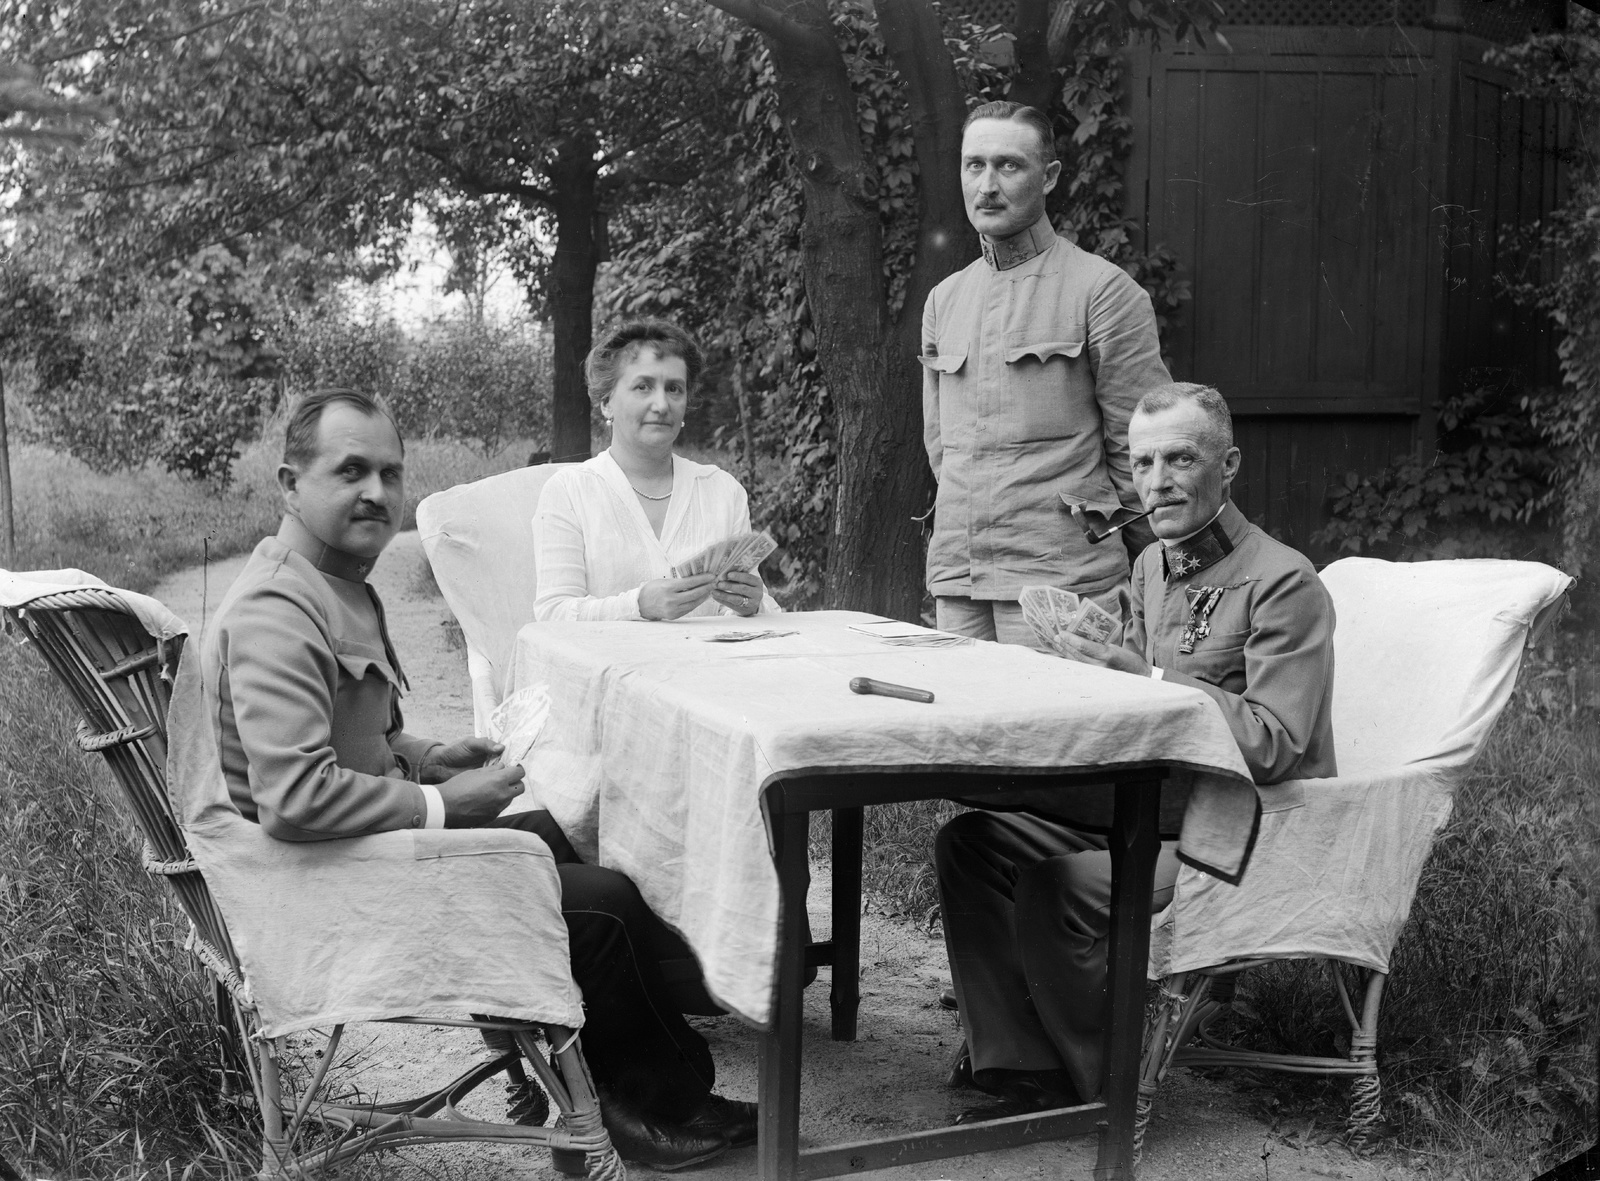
x,y
323,556
1005,253
1215,541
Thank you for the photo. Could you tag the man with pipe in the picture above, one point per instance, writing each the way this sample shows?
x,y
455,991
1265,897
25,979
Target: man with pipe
x,y
1217,605
1033,358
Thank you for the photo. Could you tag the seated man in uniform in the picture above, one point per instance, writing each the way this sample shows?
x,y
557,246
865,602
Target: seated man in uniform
x,y
1216,605
304,687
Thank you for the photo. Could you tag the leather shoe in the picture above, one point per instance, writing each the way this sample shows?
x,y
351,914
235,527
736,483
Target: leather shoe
x,y
960,1076
947,999
732,1119
645,1140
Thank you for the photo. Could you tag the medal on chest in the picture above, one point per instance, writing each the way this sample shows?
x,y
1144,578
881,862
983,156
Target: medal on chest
x,y
1203,601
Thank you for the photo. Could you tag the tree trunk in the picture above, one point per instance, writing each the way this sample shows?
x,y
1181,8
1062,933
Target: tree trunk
x,y
7,516
1033,82
874,548
572,295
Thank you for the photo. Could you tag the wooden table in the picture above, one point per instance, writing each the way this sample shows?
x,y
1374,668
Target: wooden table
x,y
1134,845
658,747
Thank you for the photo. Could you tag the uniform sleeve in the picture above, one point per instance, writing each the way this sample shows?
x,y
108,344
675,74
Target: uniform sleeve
x,y
561,557
1135,634
1288,663
930,389
281,672
1125,358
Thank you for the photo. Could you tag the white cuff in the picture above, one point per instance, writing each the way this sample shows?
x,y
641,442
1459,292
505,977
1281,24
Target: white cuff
x,y
1156,674
435,805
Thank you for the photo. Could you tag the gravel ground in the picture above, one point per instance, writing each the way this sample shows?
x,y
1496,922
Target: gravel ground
x,y
889,1080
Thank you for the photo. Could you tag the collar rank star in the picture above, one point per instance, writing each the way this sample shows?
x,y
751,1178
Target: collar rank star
x,y
1183,559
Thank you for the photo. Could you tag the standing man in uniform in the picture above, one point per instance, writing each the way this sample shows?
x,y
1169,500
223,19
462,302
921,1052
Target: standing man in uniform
x,y
1034,357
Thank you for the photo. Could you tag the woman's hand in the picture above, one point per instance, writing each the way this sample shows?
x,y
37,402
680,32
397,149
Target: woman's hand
x,y
739,592
672,598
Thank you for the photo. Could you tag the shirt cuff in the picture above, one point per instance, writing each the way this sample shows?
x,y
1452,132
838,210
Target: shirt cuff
x,y
430,793
1157,674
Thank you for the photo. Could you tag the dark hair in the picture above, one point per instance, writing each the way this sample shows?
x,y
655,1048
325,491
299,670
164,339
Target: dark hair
x,y
1017,113
300,436
1210,401
626,341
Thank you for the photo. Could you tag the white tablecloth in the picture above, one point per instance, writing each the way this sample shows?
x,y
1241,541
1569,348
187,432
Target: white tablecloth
x,y
659,743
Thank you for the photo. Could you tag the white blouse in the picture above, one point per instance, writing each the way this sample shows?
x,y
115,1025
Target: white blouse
x,y
594,547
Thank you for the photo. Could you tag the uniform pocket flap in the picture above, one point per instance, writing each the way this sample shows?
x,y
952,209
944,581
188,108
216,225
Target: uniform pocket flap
x,y
1043,350
359,659
944,362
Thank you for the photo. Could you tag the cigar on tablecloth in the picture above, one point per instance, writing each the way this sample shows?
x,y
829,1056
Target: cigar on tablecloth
x,y
885,689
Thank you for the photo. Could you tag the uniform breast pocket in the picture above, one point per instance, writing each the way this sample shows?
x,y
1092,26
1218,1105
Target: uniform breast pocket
x,y
1218,659
949,365
1048,387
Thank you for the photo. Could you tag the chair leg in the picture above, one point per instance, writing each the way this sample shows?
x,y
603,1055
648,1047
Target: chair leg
x,y
275,1158
579,1128
1172,1008
1366,1100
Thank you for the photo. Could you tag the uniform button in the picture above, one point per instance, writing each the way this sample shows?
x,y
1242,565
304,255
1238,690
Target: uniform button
x,y
416,822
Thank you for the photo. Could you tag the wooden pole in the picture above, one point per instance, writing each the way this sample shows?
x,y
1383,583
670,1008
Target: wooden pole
x,y
6,511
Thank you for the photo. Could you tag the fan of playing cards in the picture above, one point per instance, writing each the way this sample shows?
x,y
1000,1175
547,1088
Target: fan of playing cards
x,y
742,552
1052,612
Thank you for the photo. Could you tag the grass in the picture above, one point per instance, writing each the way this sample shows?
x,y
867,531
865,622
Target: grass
x,y
108,1068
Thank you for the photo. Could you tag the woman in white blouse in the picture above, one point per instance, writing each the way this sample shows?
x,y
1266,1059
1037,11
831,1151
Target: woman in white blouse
x,y
608,532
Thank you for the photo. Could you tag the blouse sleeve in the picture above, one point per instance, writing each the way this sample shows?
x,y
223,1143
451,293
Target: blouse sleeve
x,y
560,557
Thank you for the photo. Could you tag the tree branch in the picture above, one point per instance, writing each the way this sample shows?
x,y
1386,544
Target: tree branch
x,y
478,184
765,20
661,133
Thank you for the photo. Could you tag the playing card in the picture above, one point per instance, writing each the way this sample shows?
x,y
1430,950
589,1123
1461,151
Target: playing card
x,y
517,721
743,552
1053,612
1094,622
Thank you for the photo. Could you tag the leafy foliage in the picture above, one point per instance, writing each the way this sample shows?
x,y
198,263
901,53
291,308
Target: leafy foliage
x,y
461,378
1563,278
1474,497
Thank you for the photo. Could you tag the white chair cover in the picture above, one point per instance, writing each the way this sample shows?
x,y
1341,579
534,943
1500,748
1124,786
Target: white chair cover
x,y
421,923
1426,656
479,541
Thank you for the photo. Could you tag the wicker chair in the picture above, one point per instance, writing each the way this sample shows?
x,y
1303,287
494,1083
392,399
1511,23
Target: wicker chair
x,y
122,679
1426,657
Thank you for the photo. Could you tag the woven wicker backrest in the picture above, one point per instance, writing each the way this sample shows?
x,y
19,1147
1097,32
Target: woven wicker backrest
x,y
121,678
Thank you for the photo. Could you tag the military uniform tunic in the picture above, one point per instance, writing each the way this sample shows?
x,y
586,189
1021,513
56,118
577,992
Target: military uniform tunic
x,y
1034,357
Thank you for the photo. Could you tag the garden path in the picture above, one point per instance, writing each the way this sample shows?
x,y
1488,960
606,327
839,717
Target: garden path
x,y
889,1080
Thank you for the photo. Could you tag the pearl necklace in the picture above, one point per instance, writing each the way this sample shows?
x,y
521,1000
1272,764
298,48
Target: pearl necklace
x,y
647,496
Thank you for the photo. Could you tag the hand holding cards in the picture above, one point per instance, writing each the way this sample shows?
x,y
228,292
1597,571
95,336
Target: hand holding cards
x,y
1053,612
742,552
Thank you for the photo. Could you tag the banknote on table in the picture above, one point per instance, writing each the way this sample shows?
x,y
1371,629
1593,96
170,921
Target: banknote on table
x,y
1053,612
742,552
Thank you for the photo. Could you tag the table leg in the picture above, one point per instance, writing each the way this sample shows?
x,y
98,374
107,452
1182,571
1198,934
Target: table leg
x,y
1135,844
778,1145
845,996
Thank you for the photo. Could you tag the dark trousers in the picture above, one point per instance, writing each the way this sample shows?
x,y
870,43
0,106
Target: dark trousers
x,y
1027,916
634,1037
